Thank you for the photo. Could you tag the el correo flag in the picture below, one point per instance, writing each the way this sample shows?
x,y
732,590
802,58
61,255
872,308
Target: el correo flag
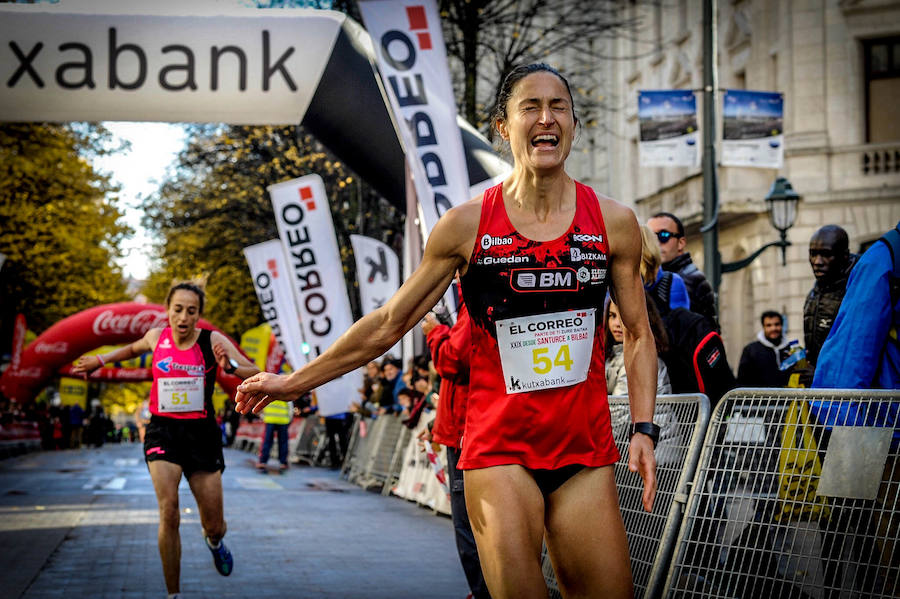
x,y
317,277
271,280
377,273
409,47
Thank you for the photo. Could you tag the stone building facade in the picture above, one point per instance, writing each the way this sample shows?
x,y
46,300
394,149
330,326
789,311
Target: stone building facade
x,y
837,62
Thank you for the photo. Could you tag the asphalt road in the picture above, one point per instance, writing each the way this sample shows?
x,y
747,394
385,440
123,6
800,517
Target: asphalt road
x,y
82,523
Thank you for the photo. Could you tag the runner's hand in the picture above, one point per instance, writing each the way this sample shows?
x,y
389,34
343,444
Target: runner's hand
x,y
260,390
86,365
642,460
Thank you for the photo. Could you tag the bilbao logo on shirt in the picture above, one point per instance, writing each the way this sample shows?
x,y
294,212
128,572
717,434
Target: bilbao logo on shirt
x,y
488,241
529,280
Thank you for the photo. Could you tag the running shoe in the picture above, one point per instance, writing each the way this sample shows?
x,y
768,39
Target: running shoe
x,y
221,557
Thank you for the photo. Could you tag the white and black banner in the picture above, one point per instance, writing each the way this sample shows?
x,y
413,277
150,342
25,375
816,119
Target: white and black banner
x,y
272,282
203,61
317,275
377,273
412,59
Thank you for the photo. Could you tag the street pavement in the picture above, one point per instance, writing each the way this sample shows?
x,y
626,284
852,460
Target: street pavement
x,y
82,523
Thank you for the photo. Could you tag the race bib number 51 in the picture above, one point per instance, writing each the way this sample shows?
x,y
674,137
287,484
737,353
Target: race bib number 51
x,y
546,351
180,394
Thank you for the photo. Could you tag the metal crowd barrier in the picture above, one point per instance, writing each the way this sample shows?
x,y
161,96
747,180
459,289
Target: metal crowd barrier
x,y
651,536
308,442
416,480
374,468
782,506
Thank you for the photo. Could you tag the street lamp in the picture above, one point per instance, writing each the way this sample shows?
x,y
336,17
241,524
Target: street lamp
x,y
781,202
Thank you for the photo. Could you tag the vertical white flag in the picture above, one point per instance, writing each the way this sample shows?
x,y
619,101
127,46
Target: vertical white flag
x,y
317,276
271,280
378,275
412,59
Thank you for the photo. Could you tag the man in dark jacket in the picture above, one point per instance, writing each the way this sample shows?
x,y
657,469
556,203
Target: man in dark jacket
x,y
670,234
831,262
761,360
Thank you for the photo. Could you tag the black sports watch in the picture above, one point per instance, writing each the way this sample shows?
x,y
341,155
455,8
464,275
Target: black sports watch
x,y
232,366
648,428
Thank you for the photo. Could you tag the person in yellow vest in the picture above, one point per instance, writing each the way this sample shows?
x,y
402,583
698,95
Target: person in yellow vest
x,y
277,417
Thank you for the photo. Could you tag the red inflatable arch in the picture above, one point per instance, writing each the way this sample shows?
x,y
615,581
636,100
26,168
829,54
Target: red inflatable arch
x,y
56,348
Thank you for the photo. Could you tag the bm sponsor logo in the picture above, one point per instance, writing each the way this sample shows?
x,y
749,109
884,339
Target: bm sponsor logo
x,y
525,280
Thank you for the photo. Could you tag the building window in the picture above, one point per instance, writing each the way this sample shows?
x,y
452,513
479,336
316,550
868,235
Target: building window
x,y
882,71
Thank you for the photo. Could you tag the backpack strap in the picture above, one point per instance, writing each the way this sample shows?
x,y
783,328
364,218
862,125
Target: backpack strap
x,y
663,291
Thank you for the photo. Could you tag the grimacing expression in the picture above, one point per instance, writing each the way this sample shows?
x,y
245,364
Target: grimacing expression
x,y
539,123
772,327
674,245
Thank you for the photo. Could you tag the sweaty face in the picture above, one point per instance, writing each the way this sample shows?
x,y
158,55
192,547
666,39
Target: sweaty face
x,y
673,245
539,124
772,329
183,312
822,257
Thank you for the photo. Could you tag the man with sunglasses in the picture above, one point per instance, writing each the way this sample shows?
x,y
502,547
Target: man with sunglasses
x,y
831,262
670,234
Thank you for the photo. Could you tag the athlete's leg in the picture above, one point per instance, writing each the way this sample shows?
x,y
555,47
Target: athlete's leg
x,y
207,490
166,476
586,536
506,510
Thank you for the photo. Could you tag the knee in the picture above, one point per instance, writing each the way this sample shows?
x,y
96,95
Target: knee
x,y
168,514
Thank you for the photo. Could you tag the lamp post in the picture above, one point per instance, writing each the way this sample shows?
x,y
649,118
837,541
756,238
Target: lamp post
x,y
781,202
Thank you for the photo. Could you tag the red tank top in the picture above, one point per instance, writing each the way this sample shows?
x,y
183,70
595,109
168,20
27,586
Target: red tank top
x,y
536,309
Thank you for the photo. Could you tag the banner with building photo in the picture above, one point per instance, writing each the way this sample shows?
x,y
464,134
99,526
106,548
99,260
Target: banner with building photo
x,y
377,273
753,129
314,268
412,59
668,128
271,280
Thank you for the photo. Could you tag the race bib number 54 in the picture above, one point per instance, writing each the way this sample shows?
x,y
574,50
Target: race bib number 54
x,y
546,351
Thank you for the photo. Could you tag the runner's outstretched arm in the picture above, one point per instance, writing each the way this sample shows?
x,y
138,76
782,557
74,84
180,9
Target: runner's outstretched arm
x,y
639,346
448,249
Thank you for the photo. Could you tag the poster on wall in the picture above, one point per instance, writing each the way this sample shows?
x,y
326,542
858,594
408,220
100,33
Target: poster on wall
x,y
753,129
668,124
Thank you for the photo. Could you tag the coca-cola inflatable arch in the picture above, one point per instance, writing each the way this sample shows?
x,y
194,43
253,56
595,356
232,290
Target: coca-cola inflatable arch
x,y
56,348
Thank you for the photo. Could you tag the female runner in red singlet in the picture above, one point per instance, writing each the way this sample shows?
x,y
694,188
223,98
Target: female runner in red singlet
x,y
535,255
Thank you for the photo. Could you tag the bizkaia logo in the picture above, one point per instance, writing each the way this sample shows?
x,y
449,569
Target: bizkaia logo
x,y
487,241
530,280
110,323
579,255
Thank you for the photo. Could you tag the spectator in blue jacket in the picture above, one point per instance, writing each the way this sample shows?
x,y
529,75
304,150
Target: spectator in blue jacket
x,y
666,288
862,350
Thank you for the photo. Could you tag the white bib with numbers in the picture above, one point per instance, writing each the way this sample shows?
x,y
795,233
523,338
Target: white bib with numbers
x,y
546,351
180,394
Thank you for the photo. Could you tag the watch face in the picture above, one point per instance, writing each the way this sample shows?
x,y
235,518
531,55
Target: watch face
x,y
234,363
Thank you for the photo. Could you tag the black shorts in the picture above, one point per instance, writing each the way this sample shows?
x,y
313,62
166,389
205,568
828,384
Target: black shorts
x,y
195,445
